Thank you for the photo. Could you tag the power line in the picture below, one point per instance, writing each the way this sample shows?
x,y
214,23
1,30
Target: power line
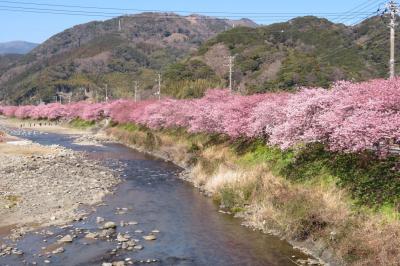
x,y
172,11
362,5
165,15
340,49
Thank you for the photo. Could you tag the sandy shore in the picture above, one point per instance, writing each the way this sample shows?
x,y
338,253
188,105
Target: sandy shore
x,y
46,185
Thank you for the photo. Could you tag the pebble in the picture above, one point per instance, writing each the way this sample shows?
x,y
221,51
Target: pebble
x,y
52,192
107,232
58,250
18,252
150,237
66,239
122,238
99,220
109,225
91,235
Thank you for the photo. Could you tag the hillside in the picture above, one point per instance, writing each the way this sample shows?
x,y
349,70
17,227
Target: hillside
x,y
85,58
305,51
191,53
16,47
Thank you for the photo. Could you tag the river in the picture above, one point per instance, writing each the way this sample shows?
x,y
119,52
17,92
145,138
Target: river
x,y
191,230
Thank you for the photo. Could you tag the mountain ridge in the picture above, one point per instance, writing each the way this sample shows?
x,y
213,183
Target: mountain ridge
x,y
96,52
191,52
16,47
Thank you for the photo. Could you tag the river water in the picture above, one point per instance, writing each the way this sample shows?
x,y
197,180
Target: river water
x,y
192,231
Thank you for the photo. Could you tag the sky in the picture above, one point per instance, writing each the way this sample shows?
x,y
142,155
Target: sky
x,y
21,20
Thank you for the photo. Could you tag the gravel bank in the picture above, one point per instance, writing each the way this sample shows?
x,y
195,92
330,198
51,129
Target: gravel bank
x,y
41,186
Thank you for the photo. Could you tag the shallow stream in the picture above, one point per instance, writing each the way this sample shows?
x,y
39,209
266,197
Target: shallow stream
x,y
191,230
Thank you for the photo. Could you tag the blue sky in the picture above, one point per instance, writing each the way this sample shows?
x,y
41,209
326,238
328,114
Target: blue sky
x,y
38,27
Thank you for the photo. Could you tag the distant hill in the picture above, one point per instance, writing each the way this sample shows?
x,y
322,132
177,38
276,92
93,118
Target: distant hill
x,y
191,53
86,57
305,51
16,47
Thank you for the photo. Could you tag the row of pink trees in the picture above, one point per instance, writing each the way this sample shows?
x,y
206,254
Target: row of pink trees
x,y
349,117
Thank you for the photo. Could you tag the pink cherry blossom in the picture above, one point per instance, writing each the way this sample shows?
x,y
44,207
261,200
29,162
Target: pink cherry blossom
x,y
349,117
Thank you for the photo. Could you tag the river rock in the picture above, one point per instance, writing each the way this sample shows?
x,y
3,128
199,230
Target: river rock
x,y
118,263
99,220
58,250
106,264
109,225
124,245
150,237
308,262
131,243
66,239
138,247
122,238
107,232
17,252
91,235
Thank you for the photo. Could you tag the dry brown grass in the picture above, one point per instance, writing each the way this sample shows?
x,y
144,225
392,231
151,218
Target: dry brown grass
x,y
312,213
2,136
320,217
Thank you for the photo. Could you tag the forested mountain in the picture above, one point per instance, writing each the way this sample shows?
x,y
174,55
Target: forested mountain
x,y
113,52
191,53
305,51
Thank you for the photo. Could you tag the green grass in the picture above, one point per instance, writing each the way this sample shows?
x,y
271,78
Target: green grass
x,y
81,124
128,127
372,181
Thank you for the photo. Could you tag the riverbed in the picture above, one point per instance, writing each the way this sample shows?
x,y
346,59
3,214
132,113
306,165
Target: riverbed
x,y
151,200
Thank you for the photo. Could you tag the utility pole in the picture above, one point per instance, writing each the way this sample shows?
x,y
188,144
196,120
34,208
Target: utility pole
x,y
136,90
159,86
230,65
106,93
119,25
393,8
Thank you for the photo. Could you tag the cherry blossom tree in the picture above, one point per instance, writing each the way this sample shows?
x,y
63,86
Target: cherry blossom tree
x,y
349,117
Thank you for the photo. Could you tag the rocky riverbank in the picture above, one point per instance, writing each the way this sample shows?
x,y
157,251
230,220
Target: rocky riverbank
x,y
107,233
42,185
